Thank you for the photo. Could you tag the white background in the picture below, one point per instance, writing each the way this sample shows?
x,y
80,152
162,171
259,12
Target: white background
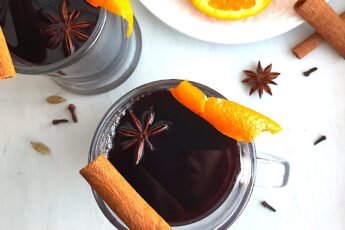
x,y
46,192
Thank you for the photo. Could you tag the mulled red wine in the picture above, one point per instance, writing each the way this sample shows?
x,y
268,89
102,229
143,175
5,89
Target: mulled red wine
x,y
180,164
43,32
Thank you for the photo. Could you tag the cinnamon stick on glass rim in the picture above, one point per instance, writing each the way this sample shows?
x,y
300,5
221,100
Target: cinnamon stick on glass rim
x,y
121,197
6,66
325,21
310,43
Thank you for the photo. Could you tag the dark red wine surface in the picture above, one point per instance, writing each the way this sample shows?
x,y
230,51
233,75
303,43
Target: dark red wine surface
x,y
192,168
25,23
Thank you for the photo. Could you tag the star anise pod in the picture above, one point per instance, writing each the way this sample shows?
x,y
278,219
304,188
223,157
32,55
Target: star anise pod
x,y
138,134
66,28
260,79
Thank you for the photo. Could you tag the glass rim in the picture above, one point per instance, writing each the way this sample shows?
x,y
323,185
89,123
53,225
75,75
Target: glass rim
x,y
119,105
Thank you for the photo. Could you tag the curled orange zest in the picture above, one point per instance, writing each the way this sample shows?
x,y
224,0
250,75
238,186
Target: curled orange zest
x,y
228,117
121,8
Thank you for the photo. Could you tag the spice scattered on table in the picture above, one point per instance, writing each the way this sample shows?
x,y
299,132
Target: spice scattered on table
x,y
310,43
40,147
325,21
71,108
59,121
320,139
308,72
266,205
260,80
54,99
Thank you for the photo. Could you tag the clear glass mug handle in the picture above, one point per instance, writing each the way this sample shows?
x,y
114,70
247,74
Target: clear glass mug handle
x,y
271,171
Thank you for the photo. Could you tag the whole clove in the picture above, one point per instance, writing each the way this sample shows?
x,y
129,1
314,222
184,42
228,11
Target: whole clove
x,y
59,121
266,205
320,139
308,72
71,108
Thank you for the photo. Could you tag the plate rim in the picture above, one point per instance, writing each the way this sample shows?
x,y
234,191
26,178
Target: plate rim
x,y
284,29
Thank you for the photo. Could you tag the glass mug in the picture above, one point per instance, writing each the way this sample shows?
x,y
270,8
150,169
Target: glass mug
x,y
104,61
272,170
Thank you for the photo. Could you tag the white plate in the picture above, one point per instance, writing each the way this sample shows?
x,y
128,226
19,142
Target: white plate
x,y
279,17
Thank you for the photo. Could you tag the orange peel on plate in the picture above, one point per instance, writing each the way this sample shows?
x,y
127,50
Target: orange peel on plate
x,y
228,117
121,8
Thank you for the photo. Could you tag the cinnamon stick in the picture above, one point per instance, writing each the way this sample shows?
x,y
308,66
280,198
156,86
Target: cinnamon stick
x,y
121,197
310,43
325,21
6,66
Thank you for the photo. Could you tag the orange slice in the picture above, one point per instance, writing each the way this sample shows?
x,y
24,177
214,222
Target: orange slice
x,y
228,117
121,8
230,9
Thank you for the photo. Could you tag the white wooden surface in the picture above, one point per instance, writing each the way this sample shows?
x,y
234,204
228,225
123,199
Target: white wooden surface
x,y
46,192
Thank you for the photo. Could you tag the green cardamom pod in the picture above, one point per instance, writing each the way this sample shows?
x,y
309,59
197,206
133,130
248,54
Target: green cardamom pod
x,y
39,147
55,99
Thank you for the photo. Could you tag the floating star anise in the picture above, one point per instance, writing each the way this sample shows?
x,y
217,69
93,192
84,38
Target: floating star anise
x,y
66,28
260,79
139,134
